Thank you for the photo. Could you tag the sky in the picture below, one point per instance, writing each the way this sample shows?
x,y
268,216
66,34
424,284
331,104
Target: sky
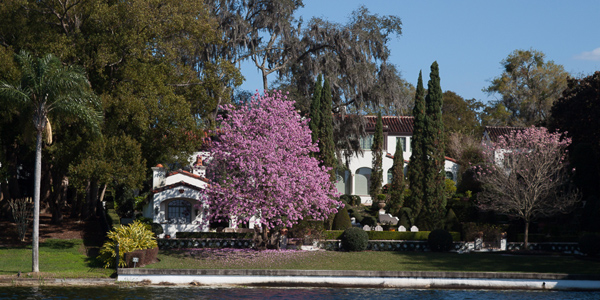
x,y
469,39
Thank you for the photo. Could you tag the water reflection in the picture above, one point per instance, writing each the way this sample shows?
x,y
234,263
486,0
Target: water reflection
x,y
165,293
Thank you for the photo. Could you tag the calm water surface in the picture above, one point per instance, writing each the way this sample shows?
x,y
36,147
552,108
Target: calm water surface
x,y
164,293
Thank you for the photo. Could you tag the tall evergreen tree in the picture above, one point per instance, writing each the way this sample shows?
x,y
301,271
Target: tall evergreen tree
x,y
416,166
434,200
315,111
397,186
326,144
377,152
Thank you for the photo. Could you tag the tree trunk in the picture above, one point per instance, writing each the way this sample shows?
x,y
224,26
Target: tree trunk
x,y
36,202
92,199
526,243
265,81
75,205
87,199
59,200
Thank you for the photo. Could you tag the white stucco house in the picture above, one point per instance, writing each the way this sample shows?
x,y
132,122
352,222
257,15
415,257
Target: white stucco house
x,y
175,200
356,180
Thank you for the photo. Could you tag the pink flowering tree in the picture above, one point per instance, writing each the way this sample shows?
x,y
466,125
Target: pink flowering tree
x,y
261,167
527,176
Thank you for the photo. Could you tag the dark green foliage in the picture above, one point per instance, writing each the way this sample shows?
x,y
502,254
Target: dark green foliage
x,y
439,240
397,187
416,166
315,111
354,239
434,198
341,220
389,235
377,152
352,200
157,229
326,144
124,202
589,244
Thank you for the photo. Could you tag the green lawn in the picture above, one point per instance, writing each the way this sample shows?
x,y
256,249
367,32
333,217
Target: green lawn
x,y
376,260
58,259
67,259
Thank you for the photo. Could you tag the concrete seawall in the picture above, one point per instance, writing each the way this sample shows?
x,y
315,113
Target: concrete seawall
x,y
391,279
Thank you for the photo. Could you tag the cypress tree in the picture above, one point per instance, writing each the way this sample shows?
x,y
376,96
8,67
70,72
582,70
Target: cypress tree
x,y
377,152
326,144
315,111
434,200
397,186
416,165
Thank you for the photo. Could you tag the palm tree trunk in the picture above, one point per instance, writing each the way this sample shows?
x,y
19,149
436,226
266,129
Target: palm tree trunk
x,y
36,203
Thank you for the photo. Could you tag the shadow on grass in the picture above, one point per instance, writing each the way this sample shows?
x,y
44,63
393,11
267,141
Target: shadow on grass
x,y
59,244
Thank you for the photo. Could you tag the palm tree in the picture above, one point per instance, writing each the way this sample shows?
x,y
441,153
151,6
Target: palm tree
x,y
46,89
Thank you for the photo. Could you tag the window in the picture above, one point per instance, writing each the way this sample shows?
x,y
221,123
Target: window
x,y
449,175
366,142
402,140
179,211
362,181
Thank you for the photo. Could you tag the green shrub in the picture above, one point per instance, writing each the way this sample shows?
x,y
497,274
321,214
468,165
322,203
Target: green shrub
x,y
439,240
355,239
156,229
341,220
589,244
135,236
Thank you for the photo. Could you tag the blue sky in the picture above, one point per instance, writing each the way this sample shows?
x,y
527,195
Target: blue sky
x,y
469,39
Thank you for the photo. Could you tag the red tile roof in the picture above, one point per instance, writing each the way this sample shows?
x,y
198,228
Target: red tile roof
x,y
395,125
495,132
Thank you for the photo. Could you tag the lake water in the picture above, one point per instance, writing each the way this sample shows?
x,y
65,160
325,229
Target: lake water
x,y
165,293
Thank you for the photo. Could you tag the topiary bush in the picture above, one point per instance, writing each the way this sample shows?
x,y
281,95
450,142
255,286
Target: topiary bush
x,y
589,244
341,221
135,236
439,240
354,239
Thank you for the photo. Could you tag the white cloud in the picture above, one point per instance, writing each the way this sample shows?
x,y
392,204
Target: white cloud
x,y
591,55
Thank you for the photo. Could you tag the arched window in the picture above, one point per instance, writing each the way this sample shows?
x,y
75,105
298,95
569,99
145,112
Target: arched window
x,y
449,175
341,182
362,181
179,211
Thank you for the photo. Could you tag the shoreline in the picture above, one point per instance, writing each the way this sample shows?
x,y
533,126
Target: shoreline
x,y
230,278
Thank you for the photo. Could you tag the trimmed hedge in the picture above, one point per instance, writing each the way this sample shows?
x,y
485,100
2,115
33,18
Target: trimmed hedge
x,y
389,235
214,235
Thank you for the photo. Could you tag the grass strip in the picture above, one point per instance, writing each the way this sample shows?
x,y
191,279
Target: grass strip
x,y
58,259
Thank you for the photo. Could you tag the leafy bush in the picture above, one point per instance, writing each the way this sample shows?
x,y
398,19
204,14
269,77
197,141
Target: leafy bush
x,y
156,229
135,236
341,220
355,239
589,244
440,240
